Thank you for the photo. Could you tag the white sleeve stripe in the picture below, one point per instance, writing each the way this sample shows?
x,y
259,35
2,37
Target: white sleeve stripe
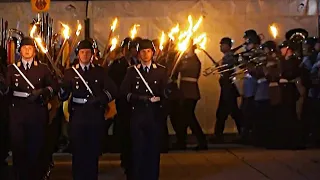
x,y
129,96
108,94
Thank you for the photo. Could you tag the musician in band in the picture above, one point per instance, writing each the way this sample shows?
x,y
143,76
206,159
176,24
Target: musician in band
x,y
312,127
30,85
228,94
308,80
91,90
144,87
262,95
249,86
290,71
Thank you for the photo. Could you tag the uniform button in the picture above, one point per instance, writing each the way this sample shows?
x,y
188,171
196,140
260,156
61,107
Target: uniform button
x,y
27,87
146,90
12,105
87,95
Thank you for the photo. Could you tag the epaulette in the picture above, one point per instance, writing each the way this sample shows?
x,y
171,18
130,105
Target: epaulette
x,y
154,66
160,65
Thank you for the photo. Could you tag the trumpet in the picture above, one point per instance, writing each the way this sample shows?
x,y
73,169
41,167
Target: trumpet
x,y
212,69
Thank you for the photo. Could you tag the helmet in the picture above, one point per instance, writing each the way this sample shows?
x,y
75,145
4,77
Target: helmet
x,y
26,41
146,44
84,44
226,40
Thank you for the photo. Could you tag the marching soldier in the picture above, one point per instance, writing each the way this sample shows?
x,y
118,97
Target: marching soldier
x,y
144,87
30,85
309,59
228,96
91,91
249,86
313,125
189,68
290,71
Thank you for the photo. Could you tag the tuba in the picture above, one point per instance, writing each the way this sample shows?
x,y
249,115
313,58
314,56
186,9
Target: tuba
x,y
13,43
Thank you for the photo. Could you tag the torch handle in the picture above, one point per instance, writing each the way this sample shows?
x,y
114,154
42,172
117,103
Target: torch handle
x,y
57,70
60,52
105,51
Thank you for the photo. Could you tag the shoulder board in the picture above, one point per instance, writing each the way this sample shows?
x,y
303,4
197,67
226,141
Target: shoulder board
x,y
162,66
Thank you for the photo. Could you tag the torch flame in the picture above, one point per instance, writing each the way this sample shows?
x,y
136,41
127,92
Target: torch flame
x,y
134,31
114,43
79,29
66,31
201,40
197,25
162,40
33,30
114,24
186,36
39,43
173,31
274,30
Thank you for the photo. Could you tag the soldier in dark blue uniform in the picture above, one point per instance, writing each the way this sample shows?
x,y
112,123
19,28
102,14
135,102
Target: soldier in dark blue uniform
x,y
91,91
30,85
144,87
313,124
228,96
249,85
189,68
290,71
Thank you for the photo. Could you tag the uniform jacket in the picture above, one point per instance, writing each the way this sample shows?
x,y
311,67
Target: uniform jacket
x,y
96,78
133,87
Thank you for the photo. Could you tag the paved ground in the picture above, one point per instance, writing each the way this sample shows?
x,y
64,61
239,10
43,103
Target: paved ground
x,y
219,164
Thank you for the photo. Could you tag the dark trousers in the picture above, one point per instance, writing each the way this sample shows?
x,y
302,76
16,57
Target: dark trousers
x,y
86,133
122,131
248,109
173,111
188,119
314,124
288,127
53,133
262,123
146,135
227,106
27,128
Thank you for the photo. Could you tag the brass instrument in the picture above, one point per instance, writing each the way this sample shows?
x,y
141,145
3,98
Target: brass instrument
x,y
11,46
